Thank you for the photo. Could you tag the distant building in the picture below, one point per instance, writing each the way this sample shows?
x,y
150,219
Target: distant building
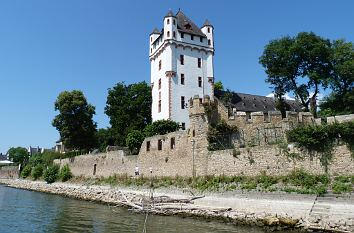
x,y
181,57
35,150
59,147
3,157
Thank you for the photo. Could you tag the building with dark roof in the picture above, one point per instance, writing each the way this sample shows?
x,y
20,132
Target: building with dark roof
x,y
252,103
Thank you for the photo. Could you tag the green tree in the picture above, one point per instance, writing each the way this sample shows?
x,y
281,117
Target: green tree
x,y
18,155
74,121
65,173
218,86
129,108
51,174
160,127
341,100
301,65
134,140
105,137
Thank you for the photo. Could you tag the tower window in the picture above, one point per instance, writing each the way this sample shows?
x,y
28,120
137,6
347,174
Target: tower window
x,y
168,21
182,79
199,62
159,144
209,42
174,34
192,37
159,84
183,126
201,39
150,50
174,22
199,81
173,143
182,102
168,33
208,30
160,65
182,35
159,107
181,58
151,39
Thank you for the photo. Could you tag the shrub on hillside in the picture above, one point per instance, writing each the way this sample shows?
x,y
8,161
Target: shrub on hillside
x,y
26,171
51,174
65,173
134,140
37,171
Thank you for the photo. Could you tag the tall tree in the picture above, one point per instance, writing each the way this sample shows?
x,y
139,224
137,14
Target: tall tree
x,y
18,155
129,108
74,121
300,64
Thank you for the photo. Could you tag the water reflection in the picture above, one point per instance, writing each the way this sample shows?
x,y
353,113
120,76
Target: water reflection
x,y
27,211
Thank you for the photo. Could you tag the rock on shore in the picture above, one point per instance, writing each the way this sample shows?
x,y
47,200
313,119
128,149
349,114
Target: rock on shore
x,y
209,207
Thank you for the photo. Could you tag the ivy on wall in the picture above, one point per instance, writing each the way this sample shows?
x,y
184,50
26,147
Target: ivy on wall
x,y
321,139
219,136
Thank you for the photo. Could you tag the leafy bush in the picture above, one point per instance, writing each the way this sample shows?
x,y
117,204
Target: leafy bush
x,y
51,174
339,187
134,140
160,127
37,171
35,160
26,171
49,156
65,173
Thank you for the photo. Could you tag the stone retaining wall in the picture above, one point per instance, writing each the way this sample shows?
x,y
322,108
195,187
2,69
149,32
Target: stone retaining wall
x,y
9,172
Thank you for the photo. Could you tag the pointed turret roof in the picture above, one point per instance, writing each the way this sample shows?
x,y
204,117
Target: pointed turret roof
x,y
186,25
169,13
155,31
207,23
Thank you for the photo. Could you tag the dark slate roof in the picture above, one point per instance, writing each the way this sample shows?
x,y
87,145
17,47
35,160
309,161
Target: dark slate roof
x,y
255,103
182,21
207,23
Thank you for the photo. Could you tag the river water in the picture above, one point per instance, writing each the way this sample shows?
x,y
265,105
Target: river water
x,y
28,211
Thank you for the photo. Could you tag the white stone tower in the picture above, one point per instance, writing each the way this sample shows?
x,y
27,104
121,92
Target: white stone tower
x,y
181,57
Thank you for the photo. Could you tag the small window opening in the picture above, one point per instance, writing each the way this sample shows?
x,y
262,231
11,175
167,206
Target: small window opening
x,y
159,107
174,34
199,62
159,84
193,133
192,37
201,39
148,146
183,126
181,58
173,143
209,42
182,79
182,102
94,169
168,21
182,35
208,30
159,144
199,81
160,64
168,33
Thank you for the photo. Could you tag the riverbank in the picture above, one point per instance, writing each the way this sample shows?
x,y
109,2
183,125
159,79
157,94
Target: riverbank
x,y
275,211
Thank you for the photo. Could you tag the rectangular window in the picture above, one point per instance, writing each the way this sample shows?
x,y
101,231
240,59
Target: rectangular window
x,y
148,146
183,126
201,39
182,35
199,62
200,100
199,81
159,107
160,65
159,84
182,102
174,34
208,30
209,42
181,58
159,144
173,143
192,37
182,79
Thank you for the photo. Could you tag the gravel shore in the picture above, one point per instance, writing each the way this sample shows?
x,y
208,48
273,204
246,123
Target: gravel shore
x,y
274,211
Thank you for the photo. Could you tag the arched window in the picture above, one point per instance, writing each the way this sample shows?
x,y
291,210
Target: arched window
x,y
174,34
208,30
209,42
168,21
174,22
168,34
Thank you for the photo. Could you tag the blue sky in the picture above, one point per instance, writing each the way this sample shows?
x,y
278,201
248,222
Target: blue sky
x,y
50,46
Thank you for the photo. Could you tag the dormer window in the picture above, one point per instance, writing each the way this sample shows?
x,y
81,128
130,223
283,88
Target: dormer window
x,y
187,26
